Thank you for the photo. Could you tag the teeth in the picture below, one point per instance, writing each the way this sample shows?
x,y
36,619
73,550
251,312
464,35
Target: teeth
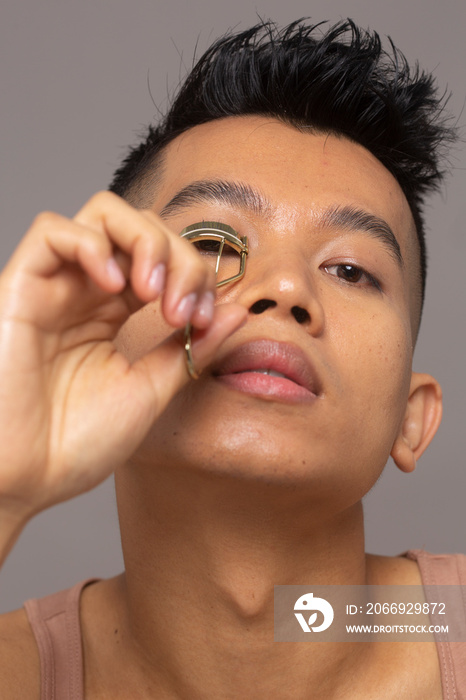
x,y
275,374
270,372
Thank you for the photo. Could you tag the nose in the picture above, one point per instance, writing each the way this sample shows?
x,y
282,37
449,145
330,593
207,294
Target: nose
x,y
282,285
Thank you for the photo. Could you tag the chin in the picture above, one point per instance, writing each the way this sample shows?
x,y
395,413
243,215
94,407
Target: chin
x,y
252,456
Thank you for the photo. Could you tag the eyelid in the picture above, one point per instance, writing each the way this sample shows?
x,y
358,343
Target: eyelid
x,y
227,236
218,230
215,226
371,279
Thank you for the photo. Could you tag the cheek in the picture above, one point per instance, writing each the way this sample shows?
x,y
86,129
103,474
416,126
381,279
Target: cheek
x,y
143,331
375,369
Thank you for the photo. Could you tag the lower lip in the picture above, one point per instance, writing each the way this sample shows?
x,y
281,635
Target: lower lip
x,y
268,387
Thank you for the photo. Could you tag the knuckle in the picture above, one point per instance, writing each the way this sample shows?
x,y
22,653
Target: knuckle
x,y
45,219
104,198
157,230
95,240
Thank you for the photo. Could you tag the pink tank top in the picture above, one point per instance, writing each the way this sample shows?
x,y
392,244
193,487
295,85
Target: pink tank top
x,y
57,630
55,623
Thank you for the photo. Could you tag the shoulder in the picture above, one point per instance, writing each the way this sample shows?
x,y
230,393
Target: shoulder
x,y
439,569
417,567
19,658
383,570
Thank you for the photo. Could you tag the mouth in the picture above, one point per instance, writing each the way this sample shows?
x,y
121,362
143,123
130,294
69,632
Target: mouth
x,y
271,370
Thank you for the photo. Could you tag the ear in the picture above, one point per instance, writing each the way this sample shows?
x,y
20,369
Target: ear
x,y
422,419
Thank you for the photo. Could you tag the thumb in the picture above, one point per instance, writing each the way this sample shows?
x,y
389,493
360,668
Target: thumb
x,y
165,367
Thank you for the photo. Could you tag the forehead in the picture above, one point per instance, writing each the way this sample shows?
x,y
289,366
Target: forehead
x,y
302,170
299,173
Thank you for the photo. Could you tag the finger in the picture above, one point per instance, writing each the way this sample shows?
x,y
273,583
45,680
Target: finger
x,y
165,368
53,240
132,233
190,283
190,288
160,259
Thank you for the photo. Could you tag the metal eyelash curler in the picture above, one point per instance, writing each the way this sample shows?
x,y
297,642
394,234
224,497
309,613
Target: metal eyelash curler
x,y
223,248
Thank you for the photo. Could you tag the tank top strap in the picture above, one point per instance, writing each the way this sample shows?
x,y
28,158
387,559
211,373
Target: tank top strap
x,y
446,570
56,626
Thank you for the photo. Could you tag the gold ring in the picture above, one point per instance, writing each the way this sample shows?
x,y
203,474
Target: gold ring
x,y
193,373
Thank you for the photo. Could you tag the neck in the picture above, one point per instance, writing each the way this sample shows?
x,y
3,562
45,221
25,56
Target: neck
x,y
202,557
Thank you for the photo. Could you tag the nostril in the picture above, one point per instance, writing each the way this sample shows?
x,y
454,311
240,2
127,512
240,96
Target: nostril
x,y
262,305
300,314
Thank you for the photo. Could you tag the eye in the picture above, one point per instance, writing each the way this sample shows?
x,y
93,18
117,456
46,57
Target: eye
x,y
352,274
210,245
207,245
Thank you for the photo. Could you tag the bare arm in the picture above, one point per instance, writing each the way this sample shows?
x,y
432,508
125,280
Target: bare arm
x,y
72,407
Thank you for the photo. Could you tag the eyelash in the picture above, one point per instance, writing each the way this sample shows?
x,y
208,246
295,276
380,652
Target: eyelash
x,y
370,279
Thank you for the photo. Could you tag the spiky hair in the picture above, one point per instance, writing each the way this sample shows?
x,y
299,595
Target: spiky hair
x,y
338,81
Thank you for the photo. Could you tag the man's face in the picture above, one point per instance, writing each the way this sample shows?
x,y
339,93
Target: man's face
x,y
329,276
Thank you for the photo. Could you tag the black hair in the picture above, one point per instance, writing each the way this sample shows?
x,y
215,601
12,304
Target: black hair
x,y
341,81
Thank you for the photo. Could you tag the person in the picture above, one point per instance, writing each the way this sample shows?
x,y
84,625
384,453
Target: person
x,y
314,148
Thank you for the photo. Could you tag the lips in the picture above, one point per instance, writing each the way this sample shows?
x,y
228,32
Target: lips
x,y
270,368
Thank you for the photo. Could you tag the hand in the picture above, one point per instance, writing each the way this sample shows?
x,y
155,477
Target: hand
x,y
72,407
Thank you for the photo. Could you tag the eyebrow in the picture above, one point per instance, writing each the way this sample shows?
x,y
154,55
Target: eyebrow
x,y
234,194
243,196
349,218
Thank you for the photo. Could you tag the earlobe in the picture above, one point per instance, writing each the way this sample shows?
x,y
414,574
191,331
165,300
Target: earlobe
x,y
422,419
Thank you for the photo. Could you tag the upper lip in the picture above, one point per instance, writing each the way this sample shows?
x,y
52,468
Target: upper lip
x,y
282,357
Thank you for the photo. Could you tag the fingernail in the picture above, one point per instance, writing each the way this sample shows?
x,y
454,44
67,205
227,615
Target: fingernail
x,y
205,307
114,272
156,280
186,307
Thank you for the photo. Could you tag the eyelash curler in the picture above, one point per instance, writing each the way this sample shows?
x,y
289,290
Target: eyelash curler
x,y
221,244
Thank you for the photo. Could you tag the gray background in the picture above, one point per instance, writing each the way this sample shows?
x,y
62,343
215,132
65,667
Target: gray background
x,y
74,92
